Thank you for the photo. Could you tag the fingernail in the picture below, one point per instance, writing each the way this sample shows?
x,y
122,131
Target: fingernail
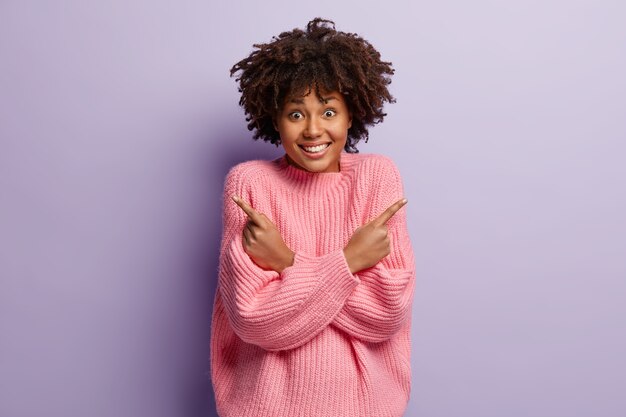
x,y
404,201
235,199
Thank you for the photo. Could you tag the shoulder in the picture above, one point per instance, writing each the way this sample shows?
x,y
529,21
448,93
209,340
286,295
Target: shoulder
x,y
374,165
248,172
253,170
253,167
379,176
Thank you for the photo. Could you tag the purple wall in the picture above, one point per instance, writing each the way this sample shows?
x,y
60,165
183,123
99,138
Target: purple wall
x,y
118,121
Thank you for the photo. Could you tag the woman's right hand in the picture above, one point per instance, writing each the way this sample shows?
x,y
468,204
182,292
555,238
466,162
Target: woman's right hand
x,y
262,241
370,243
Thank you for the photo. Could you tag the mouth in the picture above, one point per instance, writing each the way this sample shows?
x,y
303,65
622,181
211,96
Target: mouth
x,y
315,149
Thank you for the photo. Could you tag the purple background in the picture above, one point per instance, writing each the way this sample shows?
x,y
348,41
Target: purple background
x,y
118,122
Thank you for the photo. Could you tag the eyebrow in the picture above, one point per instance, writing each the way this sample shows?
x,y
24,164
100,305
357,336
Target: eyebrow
x,y
323,100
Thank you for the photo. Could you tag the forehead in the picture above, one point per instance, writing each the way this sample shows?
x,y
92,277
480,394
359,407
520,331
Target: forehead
x,y
323,97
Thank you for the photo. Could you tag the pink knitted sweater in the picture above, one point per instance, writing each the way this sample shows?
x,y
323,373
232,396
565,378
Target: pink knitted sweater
x,y
314,340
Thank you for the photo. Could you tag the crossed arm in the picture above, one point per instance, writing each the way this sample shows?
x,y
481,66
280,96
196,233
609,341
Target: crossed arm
x,y
264,244
279,300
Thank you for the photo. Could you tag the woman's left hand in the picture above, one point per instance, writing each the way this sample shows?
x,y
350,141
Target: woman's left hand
x,y
262,240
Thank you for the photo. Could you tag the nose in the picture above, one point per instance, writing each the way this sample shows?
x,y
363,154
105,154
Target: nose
x,y
313,128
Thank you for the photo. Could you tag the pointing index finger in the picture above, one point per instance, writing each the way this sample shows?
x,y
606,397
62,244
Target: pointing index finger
x,y
252,213
391,210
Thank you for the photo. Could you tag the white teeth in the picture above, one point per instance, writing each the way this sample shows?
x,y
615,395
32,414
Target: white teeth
x,y
315,149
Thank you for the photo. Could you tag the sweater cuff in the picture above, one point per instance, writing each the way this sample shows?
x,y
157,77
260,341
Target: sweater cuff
x,y
331,270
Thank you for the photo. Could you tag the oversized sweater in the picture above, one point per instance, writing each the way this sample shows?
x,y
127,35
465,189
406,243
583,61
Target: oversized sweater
x,y
314,340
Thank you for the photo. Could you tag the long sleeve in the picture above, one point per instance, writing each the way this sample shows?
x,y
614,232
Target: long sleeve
x,y
381,304
271,310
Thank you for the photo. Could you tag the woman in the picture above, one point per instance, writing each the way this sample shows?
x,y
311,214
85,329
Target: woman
x,y
313,307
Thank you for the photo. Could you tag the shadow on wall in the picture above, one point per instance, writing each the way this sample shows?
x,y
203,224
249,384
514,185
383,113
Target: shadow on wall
x,y
234,148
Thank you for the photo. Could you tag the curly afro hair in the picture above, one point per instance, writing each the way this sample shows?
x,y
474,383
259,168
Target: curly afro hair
x,y
320,59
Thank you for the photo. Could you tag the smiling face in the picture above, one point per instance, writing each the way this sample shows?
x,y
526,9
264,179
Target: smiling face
x,y
314,131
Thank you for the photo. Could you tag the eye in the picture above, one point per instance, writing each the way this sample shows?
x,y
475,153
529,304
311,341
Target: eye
x,y
296,115
329,113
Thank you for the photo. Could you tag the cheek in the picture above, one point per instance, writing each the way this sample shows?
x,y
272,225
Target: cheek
x,y
340,133
284,133
288,136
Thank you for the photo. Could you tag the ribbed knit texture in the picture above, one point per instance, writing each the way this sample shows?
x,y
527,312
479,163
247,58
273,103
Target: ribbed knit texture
x,y
315,340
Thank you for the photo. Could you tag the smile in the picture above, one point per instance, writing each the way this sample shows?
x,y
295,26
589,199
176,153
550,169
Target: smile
x,y
315,149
